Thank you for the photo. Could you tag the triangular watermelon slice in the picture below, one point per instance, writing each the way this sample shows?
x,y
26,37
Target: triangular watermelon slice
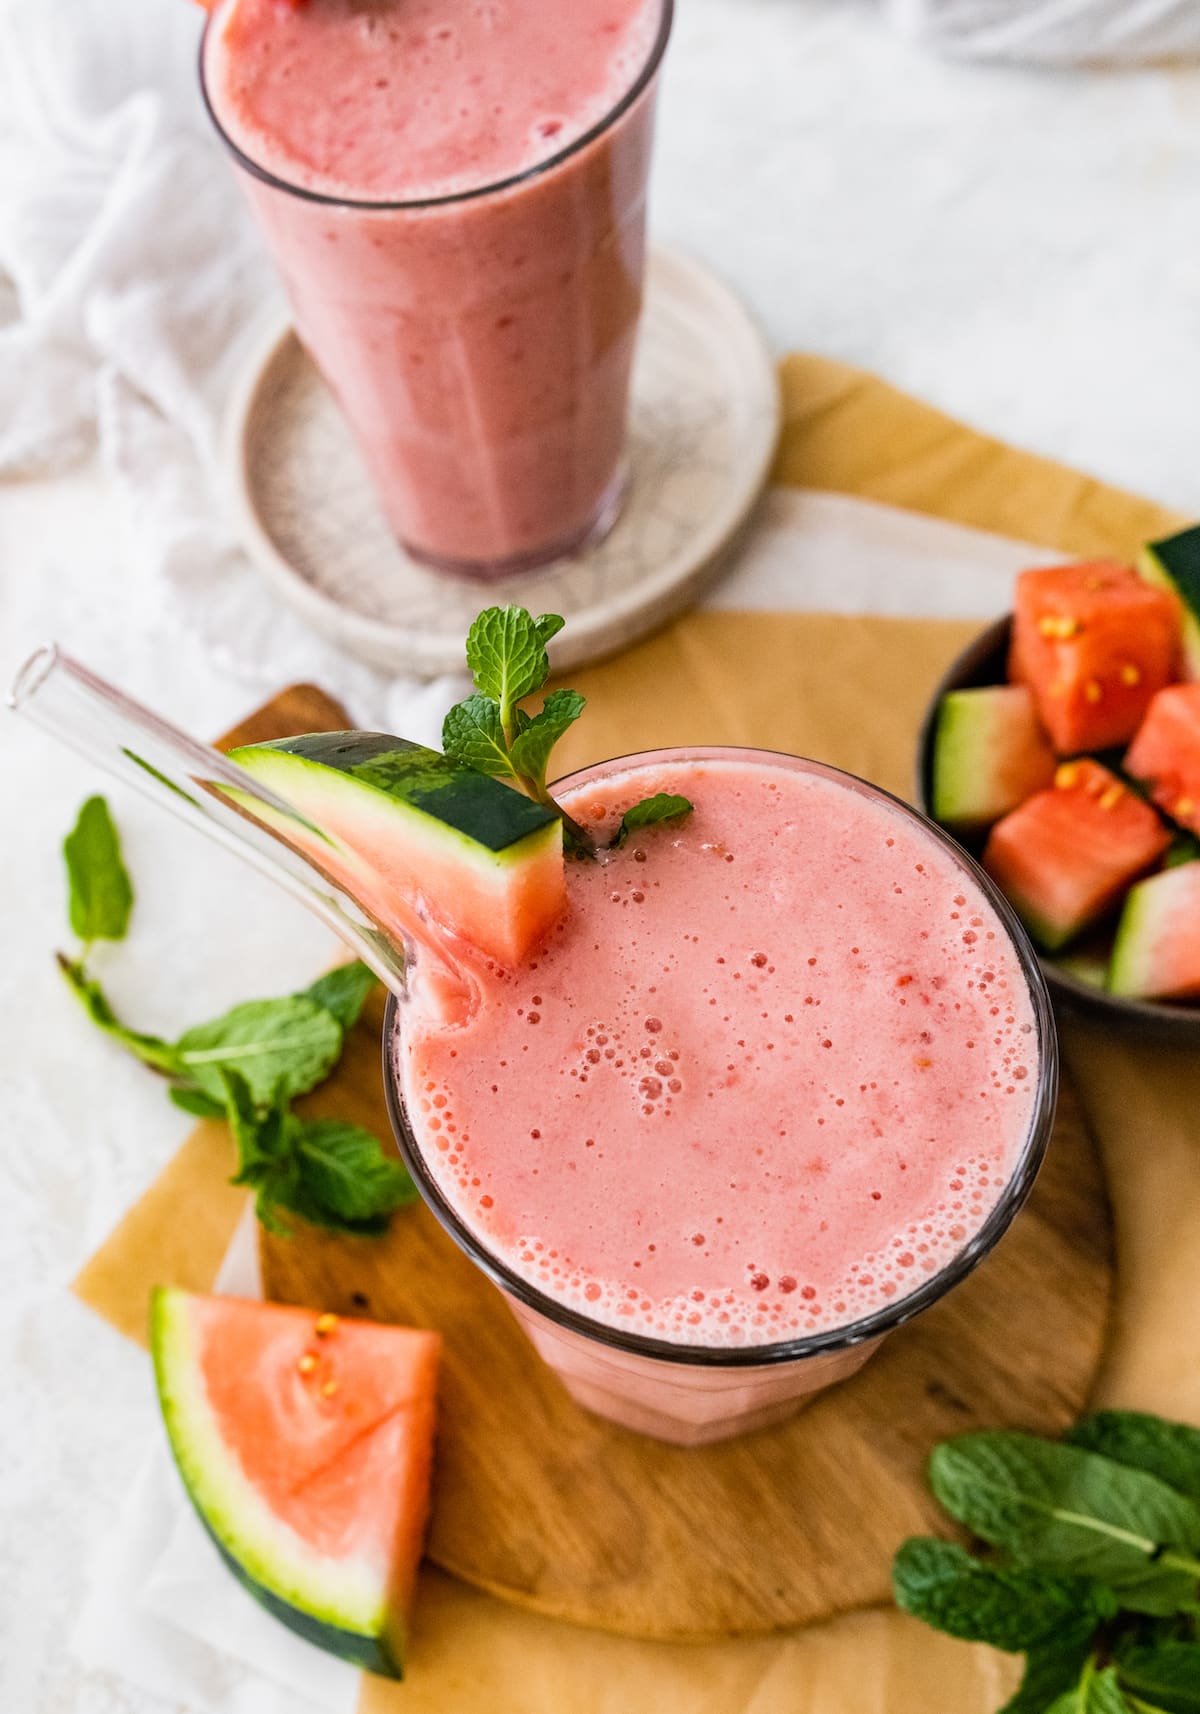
x,y
305,1443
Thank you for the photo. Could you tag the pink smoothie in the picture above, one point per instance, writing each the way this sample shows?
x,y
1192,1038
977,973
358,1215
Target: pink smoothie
x,y
477,331
769,1075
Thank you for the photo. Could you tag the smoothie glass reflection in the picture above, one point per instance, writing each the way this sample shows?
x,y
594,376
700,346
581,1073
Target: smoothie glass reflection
x,y
693,1392
479,341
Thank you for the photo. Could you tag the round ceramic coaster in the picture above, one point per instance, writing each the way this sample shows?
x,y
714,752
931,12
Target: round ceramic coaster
x,y
703,424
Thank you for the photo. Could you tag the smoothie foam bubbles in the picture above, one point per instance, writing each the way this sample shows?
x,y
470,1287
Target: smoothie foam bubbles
x,y
770,1075
406,100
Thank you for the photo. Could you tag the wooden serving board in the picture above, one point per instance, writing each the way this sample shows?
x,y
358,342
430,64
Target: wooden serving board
x,y
547,1506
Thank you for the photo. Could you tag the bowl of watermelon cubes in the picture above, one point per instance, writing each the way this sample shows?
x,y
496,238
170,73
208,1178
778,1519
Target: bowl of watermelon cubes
x,y
1062,749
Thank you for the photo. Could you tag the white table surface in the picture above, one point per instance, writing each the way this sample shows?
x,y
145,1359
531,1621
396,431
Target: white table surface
x,y
1017,247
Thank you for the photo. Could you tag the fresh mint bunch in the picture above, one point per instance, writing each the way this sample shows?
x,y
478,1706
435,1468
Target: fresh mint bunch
x,y
328,1171
246,1065
492,733
1094,1571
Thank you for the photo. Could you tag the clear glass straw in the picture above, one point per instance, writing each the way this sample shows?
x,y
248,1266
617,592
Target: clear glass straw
x,y
214,794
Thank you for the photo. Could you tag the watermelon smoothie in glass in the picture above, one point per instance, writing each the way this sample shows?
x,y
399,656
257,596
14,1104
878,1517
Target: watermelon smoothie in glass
x,y
454,193
780,1077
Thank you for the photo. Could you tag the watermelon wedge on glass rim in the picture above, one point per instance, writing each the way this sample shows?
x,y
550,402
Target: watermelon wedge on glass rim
x,y
305,1443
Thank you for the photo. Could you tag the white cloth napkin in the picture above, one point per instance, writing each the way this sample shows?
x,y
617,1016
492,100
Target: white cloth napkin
x,y
133,284
1054,32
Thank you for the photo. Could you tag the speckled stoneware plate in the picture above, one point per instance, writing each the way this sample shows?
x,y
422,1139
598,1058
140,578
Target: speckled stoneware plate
x,y
704,421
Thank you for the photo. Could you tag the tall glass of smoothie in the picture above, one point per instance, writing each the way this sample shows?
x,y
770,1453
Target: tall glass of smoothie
x,y
454,193
781,1077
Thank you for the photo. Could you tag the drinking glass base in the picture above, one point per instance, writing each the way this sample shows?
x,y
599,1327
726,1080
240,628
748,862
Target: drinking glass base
x,y
581,540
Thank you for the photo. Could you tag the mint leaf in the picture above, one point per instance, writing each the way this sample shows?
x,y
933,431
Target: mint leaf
x,y
264,1137
1058,1507
343,991
532,746
473,735
292,1043
346,1174
1051,1668
1166,1676
506,652
151,1050
100,891
195,1102
663,806
1097,1692
1010,1608
1168,1450
329,1172
548,625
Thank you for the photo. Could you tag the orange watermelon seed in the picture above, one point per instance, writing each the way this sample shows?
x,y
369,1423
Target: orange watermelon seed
x,y
1112,796
1094,583
1059,625
1184,806
307,1363
1130,674
1066,776
324,1325
328,1390
1093,690
922,1064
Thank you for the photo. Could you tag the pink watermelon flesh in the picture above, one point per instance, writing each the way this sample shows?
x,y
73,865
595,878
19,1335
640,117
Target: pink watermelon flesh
x,y
1166,753
1066,855
418,839
306,1445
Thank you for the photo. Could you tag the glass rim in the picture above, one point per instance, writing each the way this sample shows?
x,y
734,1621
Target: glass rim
x,y
452,198
867,1327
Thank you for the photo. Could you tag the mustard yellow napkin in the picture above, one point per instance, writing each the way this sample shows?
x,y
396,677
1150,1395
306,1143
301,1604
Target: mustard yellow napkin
x,y
851,691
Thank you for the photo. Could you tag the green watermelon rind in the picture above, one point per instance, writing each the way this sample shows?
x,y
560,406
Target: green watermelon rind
x,y
1174,563
968,759
313,1597
1149,907
482,820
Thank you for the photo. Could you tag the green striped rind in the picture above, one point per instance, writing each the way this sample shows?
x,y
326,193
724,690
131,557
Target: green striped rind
x,y
429,786
1174,563
1086,967
1149,910
322,1601
1127,971
974,729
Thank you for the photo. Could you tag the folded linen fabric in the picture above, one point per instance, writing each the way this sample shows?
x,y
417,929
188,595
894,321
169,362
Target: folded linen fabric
x,y
131,286
1053,32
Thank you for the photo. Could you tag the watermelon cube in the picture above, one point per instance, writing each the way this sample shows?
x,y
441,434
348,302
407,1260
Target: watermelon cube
x,y
989,754
1094,643
1157,950
1166,753
1067,854
1174,563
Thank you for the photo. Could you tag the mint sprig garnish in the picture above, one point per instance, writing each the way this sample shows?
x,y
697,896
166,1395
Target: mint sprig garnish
x,y
248,1064
330,1172
1094,1563
491,733
663,806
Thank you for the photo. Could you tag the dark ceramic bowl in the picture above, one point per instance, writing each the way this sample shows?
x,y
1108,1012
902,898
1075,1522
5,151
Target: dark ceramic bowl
x,y
983,662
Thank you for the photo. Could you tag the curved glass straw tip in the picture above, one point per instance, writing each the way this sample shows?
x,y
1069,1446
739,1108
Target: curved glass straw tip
x,y
217,796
